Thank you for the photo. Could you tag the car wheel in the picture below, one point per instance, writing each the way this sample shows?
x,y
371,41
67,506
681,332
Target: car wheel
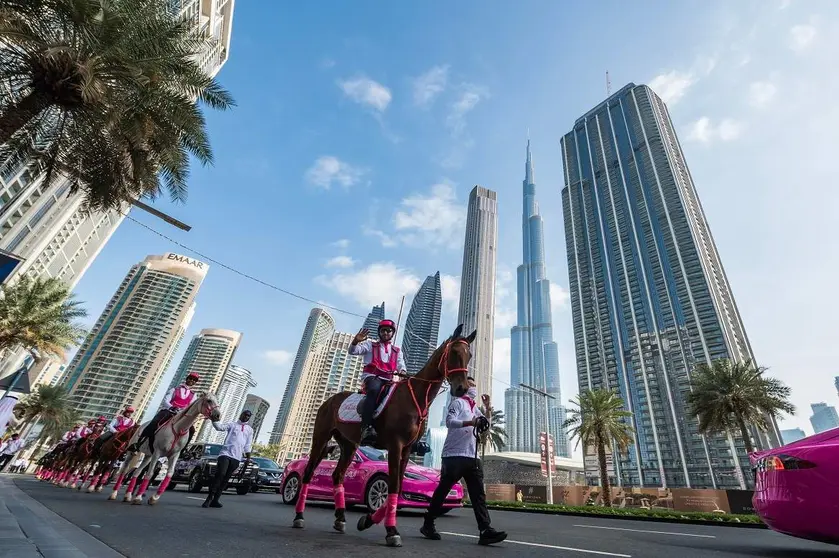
x,y
243,489
376,494
195,482
291,489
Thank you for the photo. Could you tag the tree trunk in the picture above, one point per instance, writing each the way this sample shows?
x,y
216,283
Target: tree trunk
x,y
604,476
18,114
744,432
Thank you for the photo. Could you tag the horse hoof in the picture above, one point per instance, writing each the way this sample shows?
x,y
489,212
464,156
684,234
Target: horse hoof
x,y
393,540
138,501
364,522
298,524
340,526
99,489
153,500
91,489
113,496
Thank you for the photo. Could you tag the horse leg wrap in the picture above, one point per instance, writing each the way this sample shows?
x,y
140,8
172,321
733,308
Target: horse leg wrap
x,y
339,497
118,484
301,498
390,516
163,484
94,481
379,514
131,484
144,487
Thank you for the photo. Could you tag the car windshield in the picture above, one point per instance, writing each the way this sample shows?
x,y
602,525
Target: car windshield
x,y
265,464
374,454
212,449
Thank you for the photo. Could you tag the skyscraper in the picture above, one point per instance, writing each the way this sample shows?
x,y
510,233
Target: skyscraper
x,y
125,354
423,324
792,435
258,408
371,323
328,369
209,354
319,327
836,384
231,398
477,282
214,20
534,358
649,295
824,417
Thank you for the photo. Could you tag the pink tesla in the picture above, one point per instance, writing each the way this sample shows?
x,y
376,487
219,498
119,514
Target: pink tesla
x,y
366,482
797,487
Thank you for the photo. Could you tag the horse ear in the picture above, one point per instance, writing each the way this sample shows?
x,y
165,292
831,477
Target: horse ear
x,y
458,330
472,336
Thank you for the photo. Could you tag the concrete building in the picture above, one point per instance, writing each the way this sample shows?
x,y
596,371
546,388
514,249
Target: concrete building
x,y
319,328
48,372
423,324
477,282
649,296
824,417
232,391
534,356
126,353
792,435
259,409
328,369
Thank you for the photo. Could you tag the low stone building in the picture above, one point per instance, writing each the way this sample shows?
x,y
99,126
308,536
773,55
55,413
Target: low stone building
x,y
525,469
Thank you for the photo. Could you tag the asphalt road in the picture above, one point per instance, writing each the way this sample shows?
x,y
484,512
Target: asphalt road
x,y
259,525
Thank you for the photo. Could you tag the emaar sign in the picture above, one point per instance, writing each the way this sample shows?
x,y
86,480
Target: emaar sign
x,y
185,260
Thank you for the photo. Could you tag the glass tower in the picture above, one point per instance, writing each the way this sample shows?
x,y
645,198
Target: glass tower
x,y
423,324
649,295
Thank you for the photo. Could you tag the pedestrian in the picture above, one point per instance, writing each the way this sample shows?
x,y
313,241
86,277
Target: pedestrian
x,y
460,461
9,449
238,441
20,465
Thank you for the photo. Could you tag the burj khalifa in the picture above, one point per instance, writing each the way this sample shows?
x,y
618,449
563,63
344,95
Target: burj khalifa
x,y
534,354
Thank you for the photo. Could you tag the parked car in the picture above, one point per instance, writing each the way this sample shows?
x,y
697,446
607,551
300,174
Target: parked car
x,y
796,491
366,482
269,476
197,468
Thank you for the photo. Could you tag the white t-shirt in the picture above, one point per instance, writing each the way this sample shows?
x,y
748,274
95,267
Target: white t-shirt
x,y
460,441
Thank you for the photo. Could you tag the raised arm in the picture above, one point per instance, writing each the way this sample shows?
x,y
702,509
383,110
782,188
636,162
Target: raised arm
x,y
222,426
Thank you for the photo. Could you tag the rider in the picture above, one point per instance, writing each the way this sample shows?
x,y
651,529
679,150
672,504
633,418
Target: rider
x,y
71,435
176,400
84,431
120,423
381,359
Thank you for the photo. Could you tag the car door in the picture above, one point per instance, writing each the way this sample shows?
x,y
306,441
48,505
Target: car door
x,y
181,472
322,478
354,480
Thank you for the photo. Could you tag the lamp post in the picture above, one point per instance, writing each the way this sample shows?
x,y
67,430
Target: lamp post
x,y
548,452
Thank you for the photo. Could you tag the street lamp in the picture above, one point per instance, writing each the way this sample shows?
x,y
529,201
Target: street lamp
x,y
548,453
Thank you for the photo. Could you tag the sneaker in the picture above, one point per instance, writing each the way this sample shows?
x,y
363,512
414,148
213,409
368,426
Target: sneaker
x,y
491,536
430,532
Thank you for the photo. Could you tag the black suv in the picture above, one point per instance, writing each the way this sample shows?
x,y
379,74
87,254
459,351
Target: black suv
x,y
197,467
269,476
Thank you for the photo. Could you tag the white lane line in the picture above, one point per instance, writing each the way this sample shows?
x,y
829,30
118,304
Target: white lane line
x,y
540,545
644,531
195,498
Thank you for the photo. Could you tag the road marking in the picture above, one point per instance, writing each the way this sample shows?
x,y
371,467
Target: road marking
x,y
653,532
195,498
540,545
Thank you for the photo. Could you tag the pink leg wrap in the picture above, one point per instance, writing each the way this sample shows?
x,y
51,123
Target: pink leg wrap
x,y
339,498
301,499
131,484
144,487
163,484
94,480
84,478
118,484
73,479
379,515
390,516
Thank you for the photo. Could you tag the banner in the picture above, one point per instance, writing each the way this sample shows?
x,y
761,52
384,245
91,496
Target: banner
x,y
501,492
547,453
701,500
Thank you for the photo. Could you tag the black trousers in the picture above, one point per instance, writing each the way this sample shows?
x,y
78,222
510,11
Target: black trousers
x,y
225,467
471,470
4,460
372,387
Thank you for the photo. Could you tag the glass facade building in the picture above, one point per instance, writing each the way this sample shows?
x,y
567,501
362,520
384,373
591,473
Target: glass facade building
x,y
423,324
232,392
649,295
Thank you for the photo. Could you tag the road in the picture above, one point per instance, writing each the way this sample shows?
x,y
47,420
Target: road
x,y
259,525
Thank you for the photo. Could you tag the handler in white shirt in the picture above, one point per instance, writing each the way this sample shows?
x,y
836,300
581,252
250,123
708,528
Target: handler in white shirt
x,y
238,441
9,448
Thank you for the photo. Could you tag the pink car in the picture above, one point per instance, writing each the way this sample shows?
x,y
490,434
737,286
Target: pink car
x,y
797,487
366,482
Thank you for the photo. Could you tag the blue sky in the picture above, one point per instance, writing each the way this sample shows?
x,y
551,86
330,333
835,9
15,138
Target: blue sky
x,y
343,173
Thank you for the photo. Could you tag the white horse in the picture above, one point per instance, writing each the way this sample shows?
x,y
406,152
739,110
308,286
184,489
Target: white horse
x,y
169,440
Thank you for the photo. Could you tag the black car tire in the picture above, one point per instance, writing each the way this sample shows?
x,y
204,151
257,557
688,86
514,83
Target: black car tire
x,y
290,494
279,491
243,488
195,484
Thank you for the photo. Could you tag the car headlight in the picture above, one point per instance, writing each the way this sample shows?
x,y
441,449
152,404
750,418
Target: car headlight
x,y
414,476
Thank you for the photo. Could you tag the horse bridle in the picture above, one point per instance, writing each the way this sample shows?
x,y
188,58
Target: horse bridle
x,y
445,371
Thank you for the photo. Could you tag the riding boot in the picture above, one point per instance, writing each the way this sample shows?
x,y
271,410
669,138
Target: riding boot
x,y
209,499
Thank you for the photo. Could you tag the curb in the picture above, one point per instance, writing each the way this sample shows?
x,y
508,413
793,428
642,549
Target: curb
x,y
705,522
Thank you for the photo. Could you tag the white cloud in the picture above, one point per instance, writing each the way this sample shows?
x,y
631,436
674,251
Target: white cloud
x,y
340,261
761,93
328,170
434,219
327,63
342,243
370,285
468,99
559,298
278,357
450,288
704,131
801,37
365,91
430,84
672,86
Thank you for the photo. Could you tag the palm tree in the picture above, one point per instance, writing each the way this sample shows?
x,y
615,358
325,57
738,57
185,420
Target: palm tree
x,y
600,421
730,395
105,93
51,406
496,436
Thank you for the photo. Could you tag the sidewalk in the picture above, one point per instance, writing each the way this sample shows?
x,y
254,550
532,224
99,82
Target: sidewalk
x,y
30,530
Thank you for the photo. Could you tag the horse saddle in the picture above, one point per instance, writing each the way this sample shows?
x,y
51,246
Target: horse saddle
x,y
350,410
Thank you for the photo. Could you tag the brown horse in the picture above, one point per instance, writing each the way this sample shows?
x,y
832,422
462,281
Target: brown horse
x,y
106,454
399,425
